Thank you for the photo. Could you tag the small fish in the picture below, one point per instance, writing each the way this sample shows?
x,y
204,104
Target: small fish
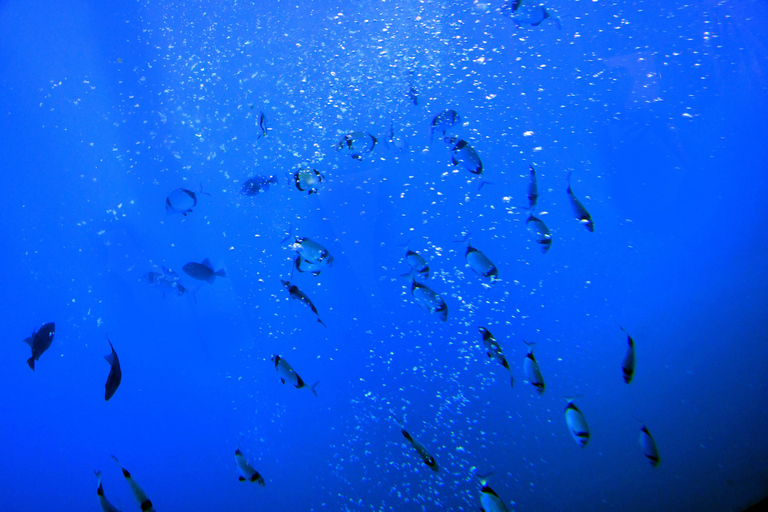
x,y
357,144
182,201
418,264
413,94
423,453
578,209
138,492
532,371
262,124
489,500
308,179
303,265
650,450
540,232
288,374
577,424
299,295
443,122
628,365
531,13
396,143
247,473
39,342
427,299
480,263
464,154
106,506
115,374
167,282
493,349
312,251
533,190
203,271
257,184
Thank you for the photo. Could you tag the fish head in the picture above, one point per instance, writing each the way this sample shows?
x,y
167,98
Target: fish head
x,y
450,140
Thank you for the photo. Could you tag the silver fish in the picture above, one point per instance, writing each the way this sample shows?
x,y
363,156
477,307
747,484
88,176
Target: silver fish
x,y
532,371
357,144
540,232
493,349
578,209
289,375
427,299
299,295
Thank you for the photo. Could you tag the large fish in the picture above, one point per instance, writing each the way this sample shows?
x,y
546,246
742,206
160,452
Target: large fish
x,y
247,473
493,349
203,271
106,506
308,179
311,251
357,144
289,375
578,209
533,190
489,500
464,154
443,122
577,424
418,264
532,372
429,300
428,459
39,342
257,184
480,263
115,374
138,492
167,282
299,295
303,265
628,364
182,201
540,232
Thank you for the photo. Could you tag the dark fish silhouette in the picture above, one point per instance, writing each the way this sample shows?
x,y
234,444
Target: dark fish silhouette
x,y
357,144
39,342
203,271
257,184
578,209
115,374
299,295
444,121
493,349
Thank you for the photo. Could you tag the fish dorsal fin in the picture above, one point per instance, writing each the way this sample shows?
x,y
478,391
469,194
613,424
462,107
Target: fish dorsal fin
x,y
207,263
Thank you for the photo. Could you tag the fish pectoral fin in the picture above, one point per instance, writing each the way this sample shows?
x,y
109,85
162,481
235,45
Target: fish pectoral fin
x,y
29,340
282,380
242,479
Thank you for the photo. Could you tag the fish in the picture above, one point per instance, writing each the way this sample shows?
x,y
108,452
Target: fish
x,y
480,263
303,265
418,264
141,498
427,299
577,424
532,371
428,459
396,143
288,374
628,364
299,295
531,13
413,94
533,190
261,122
203,271
540,232
115,374
257,184
444,121
493,349
648,445
357,144
182,201
578,209
167,282
464,154
247,473
39,342
308,179
106,506
489,500
312,251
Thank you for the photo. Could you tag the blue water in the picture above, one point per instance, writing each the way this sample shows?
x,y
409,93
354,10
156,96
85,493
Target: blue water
x,y
658,109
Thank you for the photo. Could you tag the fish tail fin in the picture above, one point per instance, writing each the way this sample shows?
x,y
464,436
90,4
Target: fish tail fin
x,y
408,275
321,322
483,182
202,191
511,379
314,391
31,363
221,273
466,238
288,236
193,294
483,479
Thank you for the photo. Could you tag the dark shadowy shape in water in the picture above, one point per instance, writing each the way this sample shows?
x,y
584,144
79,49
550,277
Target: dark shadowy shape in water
x,y
540,232
578,209
628,364
357,144
203,271
302,297
115,374
261,122
257,184
528,13
182,201
167,282
443,122
533,190
493,349
427,299
39,342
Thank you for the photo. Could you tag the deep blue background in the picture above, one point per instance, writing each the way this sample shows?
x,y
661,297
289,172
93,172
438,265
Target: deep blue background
x,y
658,108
